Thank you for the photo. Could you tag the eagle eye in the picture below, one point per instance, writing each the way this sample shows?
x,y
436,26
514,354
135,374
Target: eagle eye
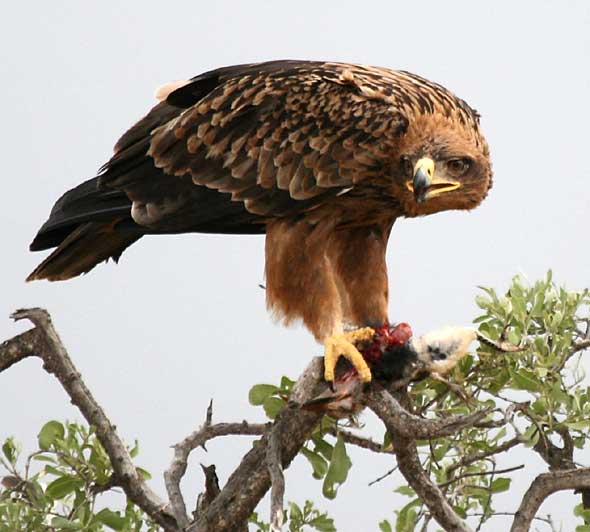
x,y
458,166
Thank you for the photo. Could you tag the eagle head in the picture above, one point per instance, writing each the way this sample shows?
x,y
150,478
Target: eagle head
x,y
444,164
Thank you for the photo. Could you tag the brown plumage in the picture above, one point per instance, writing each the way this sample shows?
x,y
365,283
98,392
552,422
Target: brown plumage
x,y
322,157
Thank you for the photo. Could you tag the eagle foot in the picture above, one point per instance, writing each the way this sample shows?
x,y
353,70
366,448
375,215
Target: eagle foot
x,y
343,345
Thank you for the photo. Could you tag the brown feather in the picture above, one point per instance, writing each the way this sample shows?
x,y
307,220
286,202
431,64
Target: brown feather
x,y
309,152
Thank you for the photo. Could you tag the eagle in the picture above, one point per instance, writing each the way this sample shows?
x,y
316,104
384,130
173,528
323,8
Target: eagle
x,y
321,157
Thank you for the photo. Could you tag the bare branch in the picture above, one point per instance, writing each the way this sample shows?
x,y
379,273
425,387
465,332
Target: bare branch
x,y
277,492
384,475
580,345
430,494
480,474
543,486
405,428
409,425
251,479
359,441
476,457
44,342
27,344
182,450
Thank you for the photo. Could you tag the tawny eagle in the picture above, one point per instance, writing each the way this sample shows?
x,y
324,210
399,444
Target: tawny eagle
x,y
321,157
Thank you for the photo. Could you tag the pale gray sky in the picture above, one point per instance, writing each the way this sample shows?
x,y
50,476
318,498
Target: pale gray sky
x,y
181,319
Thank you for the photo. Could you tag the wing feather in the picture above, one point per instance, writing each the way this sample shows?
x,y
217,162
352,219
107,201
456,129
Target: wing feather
x,y
279,136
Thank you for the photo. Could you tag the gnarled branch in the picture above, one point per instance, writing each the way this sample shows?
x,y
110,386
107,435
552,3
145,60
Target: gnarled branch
x,y
182,450
44,342
544,485
417,428
404,429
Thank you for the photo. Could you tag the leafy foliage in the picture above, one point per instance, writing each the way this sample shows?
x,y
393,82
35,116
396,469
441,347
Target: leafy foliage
x,y
298,519
58,487
539,395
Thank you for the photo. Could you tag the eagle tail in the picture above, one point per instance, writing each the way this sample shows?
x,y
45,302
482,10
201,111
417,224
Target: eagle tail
x,y
88,226
85,247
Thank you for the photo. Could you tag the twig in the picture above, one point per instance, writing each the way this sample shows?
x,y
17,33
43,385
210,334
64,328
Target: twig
x,y
541,487
385,475
44,342
480,474
277,479
359,441
580,345
476,457
211,491
510,514
173,475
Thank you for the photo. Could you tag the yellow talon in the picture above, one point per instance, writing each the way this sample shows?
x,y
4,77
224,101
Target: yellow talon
x,y
343,345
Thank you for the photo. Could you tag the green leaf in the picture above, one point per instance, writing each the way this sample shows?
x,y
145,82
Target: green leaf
x,y
482,302
406,517
387,444
405,490
44,458
134,451
260,392
323,523
295,512
146,475
35,494
319,465
337,470
10,450
286,384
62,486
324,448
50,433
384,526
578,425
583,528
272,406
111,519
501,484
525,380
61,523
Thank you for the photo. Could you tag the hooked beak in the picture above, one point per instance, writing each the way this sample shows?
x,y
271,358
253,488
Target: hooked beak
x,y
425,184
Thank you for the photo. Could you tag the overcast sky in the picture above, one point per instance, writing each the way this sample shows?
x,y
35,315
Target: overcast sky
x,y
181,319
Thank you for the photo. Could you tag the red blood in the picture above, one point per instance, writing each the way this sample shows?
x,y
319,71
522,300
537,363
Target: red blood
x,y
385,337
400,334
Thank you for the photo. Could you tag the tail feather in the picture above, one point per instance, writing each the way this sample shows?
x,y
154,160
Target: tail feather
x,y
86,246
88,225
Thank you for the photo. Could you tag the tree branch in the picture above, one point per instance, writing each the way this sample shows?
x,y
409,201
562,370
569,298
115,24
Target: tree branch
x,y
359,441
429,493
476,457
251,479
543,486
411,426
480,474
405,428
44,342
182,450
277,492
27,344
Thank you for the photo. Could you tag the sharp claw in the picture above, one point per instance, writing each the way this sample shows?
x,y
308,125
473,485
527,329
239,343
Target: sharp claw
x,y
344,345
